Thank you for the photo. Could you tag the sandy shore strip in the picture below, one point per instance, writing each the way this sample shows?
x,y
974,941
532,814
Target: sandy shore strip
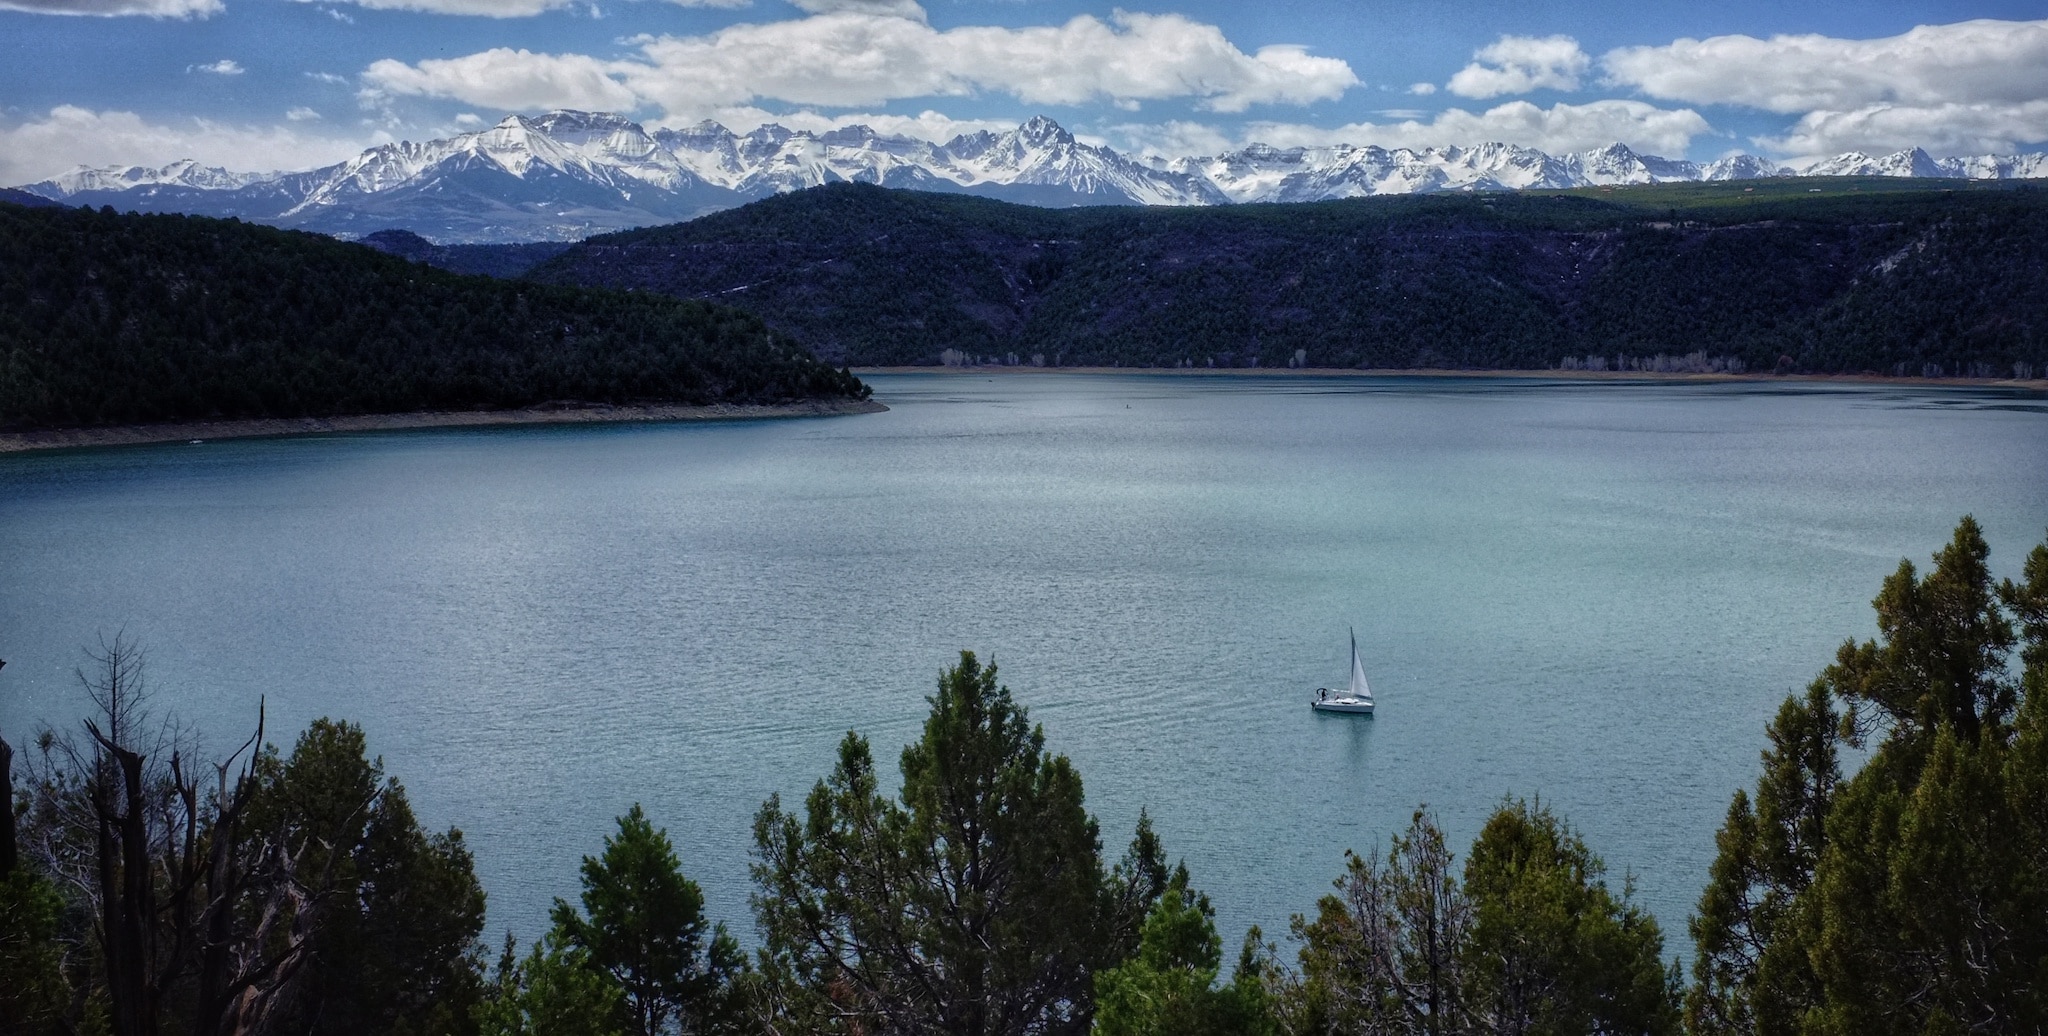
x,y
547,413
2030,384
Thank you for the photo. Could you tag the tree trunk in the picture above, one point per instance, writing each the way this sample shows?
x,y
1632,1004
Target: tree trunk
x,y
138,906
8,852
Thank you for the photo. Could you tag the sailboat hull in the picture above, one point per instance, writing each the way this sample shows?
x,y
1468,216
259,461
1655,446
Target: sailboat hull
x,y
1354,705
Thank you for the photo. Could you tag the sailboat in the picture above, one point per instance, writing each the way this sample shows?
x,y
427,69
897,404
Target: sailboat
x,y
1356,698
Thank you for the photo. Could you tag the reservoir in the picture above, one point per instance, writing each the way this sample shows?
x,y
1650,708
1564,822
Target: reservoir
x,y
1592,592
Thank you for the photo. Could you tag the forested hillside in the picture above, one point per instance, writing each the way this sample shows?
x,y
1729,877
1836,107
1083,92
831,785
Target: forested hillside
x,y
1868,275
489,260
107,318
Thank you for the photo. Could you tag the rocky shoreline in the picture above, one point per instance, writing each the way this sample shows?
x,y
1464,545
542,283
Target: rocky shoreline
x,y
2029,384
546,413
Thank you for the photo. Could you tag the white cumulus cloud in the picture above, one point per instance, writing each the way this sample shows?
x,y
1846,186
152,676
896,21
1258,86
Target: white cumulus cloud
x,y
1944,129
849,58
507,78
894,8
1966,87
1519,64
223,67
302,114
506,8
70,136
479,8
852,58
114,8
1980,61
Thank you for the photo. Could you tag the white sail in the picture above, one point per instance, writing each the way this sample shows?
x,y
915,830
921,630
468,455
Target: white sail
x,y
1359,688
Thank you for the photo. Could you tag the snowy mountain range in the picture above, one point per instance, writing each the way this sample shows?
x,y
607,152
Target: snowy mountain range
x,y
568,174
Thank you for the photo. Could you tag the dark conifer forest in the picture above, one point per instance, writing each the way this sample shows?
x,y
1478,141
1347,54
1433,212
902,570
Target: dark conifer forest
x,y
1869,275
108,319
1888,874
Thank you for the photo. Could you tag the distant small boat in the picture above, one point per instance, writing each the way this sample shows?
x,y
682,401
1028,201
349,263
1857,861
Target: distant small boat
x,y
1356,698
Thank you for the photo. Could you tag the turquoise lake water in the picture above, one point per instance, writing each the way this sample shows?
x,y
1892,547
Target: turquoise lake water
x,y
1592,592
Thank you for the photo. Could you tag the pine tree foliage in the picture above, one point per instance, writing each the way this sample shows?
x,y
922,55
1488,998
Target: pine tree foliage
x,y
1168,988
106,318
1746,977
976,902
287,894
554,991
1527,940
1911,896
1385,954
393,911
643,927
1895,281
33,992
1552,950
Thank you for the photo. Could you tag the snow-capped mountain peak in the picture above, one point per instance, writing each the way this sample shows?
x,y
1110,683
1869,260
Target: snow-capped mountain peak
x,y
1041,132
183,173
1910,162
568,174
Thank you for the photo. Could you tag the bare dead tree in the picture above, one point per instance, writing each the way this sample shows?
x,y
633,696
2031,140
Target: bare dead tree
x,y
162,868
9,854
1387,948
199,903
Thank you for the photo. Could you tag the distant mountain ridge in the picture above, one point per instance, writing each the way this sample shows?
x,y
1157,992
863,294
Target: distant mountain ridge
x,y
1863,275
568,174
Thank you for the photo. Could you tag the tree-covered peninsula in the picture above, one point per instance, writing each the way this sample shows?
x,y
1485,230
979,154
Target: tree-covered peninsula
x,y
1862,275
112,319
1889,875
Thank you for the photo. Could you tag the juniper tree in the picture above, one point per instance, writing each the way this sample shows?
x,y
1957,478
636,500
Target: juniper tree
x,y
1750,972
1168,988
1552,950
1385,953
643,928
552,992
1912,896
974,903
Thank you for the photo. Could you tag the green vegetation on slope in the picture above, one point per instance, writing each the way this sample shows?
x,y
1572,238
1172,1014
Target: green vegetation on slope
x,y
107,318
488,260
1912,895
1864,275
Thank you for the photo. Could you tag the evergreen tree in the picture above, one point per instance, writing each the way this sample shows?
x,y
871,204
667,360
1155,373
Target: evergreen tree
x,y
388,914
33,992
1386,953
32,987
1913,896
1751,973
643,928
977,903
1169,988
1530,941
414,953
1932,905
1551,950
554,992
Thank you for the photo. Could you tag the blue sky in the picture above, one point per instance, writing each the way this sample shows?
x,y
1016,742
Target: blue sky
x,y
269,84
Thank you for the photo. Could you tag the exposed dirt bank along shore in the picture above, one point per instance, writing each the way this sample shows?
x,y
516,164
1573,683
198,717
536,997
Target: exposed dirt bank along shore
x,y
569,413
2031,384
